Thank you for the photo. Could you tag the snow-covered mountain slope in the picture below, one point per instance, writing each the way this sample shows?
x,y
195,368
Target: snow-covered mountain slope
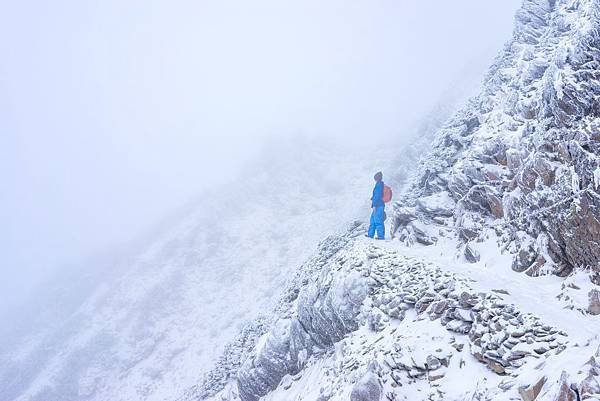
x,y
372,321
151,327
442,313
146,333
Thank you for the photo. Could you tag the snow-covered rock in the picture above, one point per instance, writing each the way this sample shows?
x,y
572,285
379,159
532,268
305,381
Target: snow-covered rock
x,y
368,388
526,150
325,345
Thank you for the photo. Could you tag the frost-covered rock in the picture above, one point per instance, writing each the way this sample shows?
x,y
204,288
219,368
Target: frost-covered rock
x,y
530,393
594,302
526,150
326,309
471,254
368,388
362,288
439,204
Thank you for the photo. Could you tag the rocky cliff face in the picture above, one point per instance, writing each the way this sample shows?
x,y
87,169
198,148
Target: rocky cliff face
x,y
522,157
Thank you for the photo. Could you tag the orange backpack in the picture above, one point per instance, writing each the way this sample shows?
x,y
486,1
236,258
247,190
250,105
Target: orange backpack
x,y
387,194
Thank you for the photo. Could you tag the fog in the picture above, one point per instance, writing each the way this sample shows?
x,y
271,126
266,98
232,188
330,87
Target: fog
x,y
114,113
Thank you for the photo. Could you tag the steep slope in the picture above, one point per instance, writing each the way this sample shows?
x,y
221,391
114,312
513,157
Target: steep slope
x,y
441,313
150,327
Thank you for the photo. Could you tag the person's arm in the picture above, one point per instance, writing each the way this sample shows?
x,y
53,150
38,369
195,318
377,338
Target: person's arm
x,y
377,198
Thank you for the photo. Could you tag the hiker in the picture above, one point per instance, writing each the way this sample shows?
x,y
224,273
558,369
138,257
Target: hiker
x,y
381,195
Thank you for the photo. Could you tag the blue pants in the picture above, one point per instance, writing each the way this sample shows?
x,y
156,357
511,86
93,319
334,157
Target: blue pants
x,y
377,223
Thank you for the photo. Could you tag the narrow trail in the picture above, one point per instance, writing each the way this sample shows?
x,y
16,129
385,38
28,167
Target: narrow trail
x,y
424,321
536,295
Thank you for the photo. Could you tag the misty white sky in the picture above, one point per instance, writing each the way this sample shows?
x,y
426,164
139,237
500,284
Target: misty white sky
x,y
115,112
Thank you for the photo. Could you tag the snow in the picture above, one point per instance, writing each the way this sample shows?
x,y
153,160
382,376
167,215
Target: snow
x,y
440,201
493,272
417,341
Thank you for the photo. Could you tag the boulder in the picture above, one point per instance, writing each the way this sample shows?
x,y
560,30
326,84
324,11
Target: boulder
x,y
262,373
565,393
468,223
483,199
467,234
422,304
327,311
537,267
524,258
543,169
458,185
496,367
513,159
471,254
436,205
496,150
419,234
377,320
530,393
594,299
432,363
590,386
474,173
368,388
404,215
578,231
459,326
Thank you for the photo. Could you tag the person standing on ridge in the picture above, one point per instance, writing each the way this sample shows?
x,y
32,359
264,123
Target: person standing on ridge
x,y
381,195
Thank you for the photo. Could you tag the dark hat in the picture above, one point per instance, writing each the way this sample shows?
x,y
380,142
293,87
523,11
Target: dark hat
x,y
378,176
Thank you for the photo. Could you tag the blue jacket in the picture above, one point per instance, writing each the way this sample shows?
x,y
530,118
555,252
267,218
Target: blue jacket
x,y
377,198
